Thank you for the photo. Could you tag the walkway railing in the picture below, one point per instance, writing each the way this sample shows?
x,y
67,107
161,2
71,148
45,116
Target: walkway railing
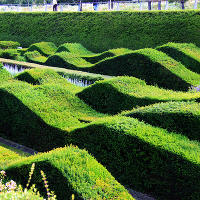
x,y
104,6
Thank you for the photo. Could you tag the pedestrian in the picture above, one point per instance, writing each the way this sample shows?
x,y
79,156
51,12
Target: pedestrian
x,y
55,4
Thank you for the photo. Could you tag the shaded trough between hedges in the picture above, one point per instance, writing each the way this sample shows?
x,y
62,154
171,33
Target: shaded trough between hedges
x,y
15,69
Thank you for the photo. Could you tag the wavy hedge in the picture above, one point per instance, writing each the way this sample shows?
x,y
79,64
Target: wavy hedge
x,y
134,30
180,117
40,114
9,45
154,66
187,54
69,171
45,48
125,93
35,57
146,158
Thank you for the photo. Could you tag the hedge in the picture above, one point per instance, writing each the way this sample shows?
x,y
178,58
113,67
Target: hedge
x,y
69,171
9,45
154,66
7,156
187,54
35,57
145,158
100,31
41,114
125,93
45,48
4,74
180,117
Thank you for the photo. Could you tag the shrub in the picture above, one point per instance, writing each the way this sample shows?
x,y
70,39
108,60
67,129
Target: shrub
x,y
187,54
70,171
41,114
128,29
145,158
10,54
155,67
125,93
35,57
180,117
45,48
9,45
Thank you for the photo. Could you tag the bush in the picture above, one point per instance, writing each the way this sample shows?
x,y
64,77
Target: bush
x,y
9,45
10,54
69,171
35,57
155,67
145,158
45,48
180,117
125,93
41,114
128,29
187,54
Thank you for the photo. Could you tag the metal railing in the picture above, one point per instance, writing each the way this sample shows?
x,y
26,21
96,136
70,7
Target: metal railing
x,y
103,6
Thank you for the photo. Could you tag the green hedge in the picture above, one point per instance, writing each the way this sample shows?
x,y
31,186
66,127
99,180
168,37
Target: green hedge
x,y
9,45
125,93
180,117
145,158
35,57
69,171
45,48
41,114
153,66
187,54
100,31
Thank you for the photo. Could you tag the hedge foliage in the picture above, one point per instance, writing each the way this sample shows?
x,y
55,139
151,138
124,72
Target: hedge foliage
x,y
187,54
7,156
134,30
125,93
45,48
35,57
9,45
154,66
180,117
46,110
69,171
146,158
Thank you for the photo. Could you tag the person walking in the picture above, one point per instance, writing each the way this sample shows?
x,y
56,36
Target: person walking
x,y
55,4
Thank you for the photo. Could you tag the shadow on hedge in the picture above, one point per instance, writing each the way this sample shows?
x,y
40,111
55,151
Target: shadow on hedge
x,y
140,165
22,125
179,56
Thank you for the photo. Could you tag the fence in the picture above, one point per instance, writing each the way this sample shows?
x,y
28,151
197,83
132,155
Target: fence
x,y
103,6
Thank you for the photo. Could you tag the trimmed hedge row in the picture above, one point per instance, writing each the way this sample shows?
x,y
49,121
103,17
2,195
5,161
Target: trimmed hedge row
x,y
40,114
9,45
7,156
180,117
45,48
125,93
155,67
134,30
187,54
145,158
35,57
69,171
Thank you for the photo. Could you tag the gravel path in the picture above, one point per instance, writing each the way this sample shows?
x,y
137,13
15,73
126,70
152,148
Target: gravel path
x,y
139,195
18,146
